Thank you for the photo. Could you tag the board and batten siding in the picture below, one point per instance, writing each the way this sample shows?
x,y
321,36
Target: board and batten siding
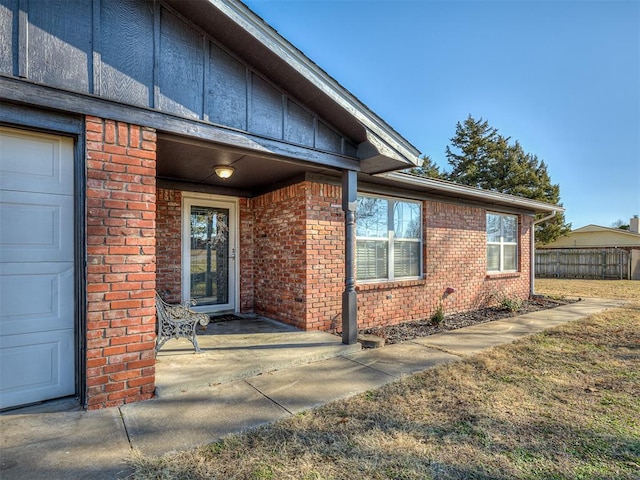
x,y
144,54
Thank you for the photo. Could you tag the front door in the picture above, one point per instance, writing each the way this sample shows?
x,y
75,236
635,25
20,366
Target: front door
x,y
209,253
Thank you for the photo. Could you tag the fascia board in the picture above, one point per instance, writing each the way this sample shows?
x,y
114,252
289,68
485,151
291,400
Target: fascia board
x,y
451,188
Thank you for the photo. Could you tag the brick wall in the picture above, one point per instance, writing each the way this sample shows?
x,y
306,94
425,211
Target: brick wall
x,y
121,261
279,260
169,244
169,248
291,251
291,261
325,256
246,254
454,253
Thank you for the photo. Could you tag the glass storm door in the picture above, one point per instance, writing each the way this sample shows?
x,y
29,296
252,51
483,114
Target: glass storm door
x,y
209,255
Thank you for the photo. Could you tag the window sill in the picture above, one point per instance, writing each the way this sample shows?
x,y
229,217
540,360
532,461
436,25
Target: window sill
x,y
499,275
388,285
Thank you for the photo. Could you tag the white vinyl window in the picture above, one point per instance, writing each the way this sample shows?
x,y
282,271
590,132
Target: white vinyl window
x,y
502,242
388,238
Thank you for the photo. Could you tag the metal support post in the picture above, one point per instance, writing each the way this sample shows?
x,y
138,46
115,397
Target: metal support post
x,y
349,296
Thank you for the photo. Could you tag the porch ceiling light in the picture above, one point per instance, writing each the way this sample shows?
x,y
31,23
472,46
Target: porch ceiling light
x,y
223,171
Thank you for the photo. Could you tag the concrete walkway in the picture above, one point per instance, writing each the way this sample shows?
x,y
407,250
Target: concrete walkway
x,y
56,441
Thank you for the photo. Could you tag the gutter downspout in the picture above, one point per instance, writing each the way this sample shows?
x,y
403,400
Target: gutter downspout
x,y
532,264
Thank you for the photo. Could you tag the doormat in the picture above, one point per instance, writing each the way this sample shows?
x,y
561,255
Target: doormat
x,y
227,317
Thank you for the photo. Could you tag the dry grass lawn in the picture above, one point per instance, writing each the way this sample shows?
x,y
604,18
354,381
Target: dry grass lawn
x,y
563,404
556,287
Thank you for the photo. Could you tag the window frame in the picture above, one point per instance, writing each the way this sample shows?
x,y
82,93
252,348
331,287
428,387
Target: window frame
x,y
502,243
390,239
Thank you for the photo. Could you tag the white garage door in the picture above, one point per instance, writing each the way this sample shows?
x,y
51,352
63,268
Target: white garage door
x,y
36,267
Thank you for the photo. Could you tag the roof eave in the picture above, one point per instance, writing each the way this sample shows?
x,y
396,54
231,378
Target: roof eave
x,y
452,189
403,151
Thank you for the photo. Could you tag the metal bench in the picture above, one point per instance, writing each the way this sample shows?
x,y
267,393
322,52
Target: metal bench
x,y
178,321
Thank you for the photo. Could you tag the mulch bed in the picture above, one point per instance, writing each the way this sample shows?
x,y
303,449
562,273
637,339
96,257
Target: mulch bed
x,y
421,328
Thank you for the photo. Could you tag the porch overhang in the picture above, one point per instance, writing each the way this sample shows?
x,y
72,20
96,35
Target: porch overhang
x,y
380,147
188,163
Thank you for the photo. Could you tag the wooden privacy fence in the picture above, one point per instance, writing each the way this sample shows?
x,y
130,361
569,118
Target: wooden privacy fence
x,y
604,263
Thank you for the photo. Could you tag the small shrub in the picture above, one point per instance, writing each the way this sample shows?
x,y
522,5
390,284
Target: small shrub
x,y
438,316
557,297
512,304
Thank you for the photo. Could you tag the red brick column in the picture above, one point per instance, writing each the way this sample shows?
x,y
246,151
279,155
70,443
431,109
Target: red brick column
x,y
169,244
280,255
325,256
247,254
121,262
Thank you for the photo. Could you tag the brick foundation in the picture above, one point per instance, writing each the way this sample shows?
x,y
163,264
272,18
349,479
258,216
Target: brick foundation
x,y
121,262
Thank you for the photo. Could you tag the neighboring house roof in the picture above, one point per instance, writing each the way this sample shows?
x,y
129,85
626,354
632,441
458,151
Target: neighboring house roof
x,y
594,236
597,228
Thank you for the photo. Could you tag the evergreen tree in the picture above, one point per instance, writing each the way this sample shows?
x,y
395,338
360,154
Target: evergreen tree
x,y
478,146
428,168
480,157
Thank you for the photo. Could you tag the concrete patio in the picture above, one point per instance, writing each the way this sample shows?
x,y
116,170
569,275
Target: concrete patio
x,y
236,349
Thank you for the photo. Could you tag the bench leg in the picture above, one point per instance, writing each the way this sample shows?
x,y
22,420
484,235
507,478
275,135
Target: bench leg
x,y
178,330
160,342
194,340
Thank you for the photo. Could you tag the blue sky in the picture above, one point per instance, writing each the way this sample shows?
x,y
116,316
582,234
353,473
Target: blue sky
x,y
561,77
